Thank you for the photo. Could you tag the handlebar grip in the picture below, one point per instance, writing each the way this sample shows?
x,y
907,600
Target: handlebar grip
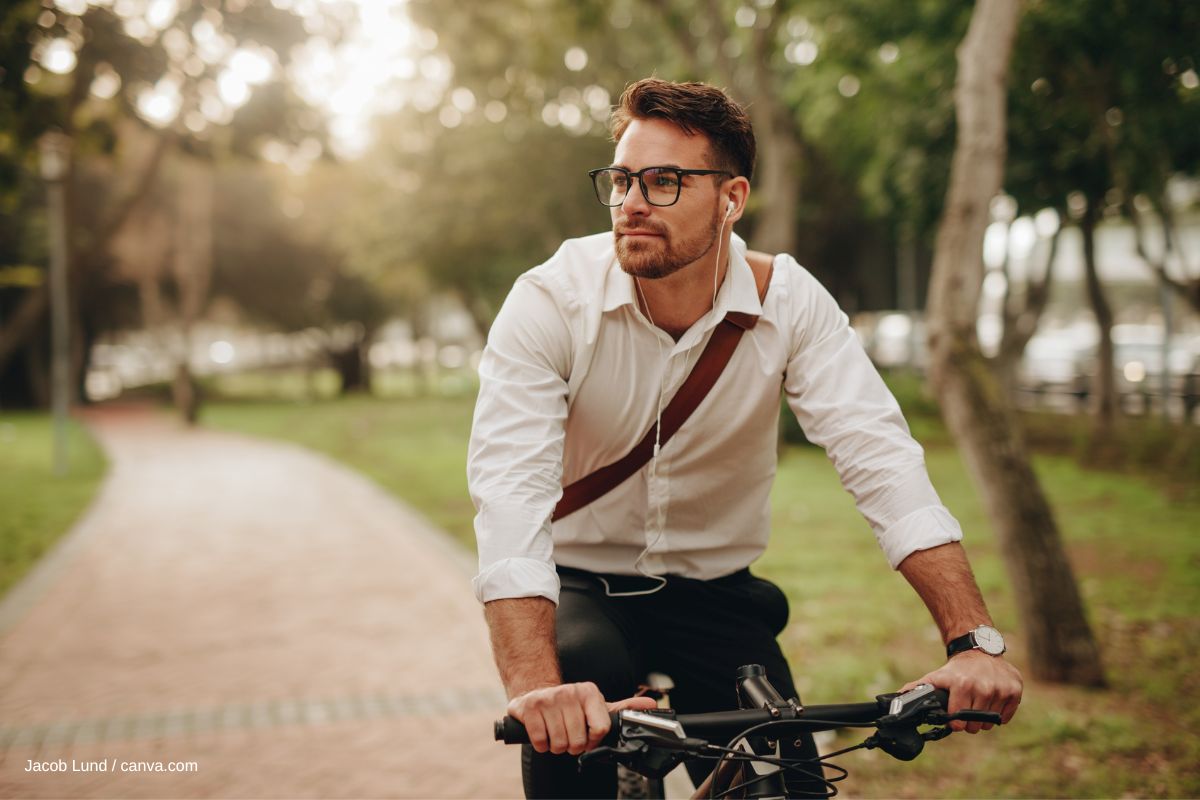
x,y
511,731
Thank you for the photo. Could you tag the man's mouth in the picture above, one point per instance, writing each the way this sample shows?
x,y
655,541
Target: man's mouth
x,y
637,232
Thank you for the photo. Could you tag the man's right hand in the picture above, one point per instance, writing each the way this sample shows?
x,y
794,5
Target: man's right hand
x,y
570,718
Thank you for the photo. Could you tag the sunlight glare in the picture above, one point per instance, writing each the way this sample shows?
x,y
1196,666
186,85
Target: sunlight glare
x,y
1021,238
251,65
995,245
161,13
160,105
58,56
233,90
75,7
106,84
382,62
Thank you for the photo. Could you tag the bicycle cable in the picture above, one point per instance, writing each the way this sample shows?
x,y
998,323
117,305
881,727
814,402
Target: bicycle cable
x,y
791,765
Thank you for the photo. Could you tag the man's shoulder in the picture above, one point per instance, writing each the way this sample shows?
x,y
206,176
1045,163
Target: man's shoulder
x,y
785,271
579,260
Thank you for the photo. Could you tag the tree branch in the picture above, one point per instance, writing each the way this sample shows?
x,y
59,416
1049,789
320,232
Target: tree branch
x,y
125,206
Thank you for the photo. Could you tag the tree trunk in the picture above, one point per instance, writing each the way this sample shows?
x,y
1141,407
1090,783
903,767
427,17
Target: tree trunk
x,y
185,393
780,139
1021,320
16,330
22,323
1103,386
777,178
353,366
191,268
1060,643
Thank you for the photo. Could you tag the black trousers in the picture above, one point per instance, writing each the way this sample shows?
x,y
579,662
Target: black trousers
x,y
697,632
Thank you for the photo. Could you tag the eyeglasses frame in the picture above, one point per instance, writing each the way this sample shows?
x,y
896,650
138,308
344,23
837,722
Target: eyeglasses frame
x,y
642,183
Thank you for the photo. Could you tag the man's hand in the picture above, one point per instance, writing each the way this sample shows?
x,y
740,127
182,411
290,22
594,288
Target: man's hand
x,y
570,718
979,681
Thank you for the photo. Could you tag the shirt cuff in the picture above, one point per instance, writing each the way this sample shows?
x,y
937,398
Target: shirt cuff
x,y
922,529
516,577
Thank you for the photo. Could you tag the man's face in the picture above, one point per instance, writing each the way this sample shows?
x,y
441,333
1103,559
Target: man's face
x,y
656,241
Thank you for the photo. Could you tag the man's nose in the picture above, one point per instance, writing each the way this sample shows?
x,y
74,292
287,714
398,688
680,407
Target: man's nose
x,y
635,200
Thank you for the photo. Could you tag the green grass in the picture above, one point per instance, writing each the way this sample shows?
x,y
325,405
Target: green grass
x,y
856,628
36,508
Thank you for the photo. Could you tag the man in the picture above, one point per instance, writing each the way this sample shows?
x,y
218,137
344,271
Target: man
x,y
586,353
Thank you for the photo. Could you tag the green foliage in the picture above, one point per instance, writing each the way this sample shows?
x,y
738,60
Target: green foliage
x,y
483,203
279,271
1097,99
36,507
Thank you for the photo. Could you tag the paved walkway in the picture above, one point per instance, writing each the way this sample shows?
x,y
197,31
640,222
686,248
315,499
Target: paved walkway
x,y
254,609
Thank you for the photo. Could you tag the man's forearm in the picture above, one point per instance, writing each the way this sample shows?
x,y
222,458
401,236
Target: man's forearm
x,y
523,643
943,578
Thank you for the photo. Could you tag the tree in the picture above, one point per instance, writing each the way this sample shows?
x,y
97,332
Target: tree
x,y
1092,132
1061,645
83,73
724,42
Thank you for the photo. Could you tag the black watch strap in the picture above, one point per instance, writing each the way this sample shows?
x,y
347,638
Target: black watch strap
x,y
961,643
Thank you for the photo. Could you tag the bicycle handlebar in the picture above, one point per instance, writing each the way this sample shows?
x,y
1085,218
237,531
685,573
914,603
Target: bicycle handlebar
x,y
722,726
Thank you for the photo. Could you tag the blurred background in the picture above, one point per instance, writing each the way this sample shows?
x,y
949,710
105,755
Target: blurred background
x,y
347,190
298,218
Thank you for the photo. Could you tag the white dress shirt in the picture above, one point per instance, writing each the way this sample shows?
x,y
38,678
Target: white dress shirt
x,y
570,381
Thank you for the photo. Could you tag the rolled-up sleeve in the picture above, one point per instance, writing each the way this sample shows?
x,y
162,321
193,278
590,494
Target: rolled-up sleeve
x,y
514,460
844,406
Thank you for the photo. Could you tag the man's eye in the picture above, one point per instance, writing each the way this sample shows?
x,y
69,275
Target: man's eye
x,y
665,179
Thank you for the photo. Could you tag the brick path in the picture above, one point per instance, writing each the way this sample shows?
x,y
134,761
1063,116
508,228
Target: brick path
x,y
255,609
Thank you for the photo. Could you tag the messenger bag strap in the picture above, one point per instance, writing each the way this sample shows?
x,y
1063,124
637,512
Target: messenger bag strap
x,y
695,388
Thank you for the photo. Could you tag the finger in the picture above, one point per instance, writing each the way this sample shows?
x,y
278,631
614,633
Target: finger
x,y
595,712
556,728
974,701
957,701
914,684
1009,710
988,699
576,728
535,726
636,703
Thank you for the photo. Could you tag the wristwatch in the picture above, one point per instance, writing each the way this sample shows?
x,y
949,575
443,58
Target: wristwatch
x,y
984,637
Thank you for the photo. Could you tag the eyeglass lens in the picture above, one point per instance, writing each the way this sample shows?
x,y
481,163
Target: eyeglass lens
x,y
661,186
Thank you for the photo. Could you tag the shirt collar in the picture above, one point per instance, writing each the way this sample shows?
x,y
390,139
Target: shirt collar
x,y
738,292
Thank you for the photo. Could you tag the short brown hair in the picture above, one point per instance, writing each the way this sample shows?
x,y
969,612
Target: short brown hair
x,y
695,108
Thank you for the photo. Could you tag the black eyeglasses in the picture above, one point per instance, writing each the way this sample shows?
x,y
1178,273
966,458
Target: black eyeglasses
x,y
660,185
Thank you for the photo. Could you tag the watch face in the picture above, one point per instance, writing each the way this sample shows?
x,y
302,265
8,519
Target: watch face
x,y
989,640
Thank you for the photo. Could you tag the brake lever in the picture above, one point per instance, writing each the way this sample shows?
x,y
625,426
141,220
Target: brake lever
x,y
971,715
621,754
600,755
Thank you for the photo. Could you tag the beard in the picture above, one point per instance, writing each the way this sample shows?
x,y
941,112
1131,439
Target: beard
x,y
665,255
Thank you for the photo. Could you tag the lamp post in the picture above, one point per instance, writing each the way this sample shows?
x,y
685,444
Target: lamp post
x,y
55,151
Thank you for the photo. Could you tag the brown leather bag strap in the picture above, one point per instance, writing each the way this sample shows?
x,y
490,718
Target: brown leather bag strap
x,y
695,388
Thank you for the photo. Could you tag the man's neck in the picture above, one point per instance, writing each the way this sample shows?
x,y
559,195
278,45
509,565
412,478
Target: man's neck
x,y
676,302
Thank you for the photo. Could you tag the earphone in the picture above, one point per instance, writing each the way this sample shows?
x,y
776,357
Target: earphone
x,y
730,207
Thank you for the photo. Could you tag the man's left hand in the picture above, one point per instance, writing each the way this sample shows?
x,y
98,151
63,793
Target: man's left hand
x,y
979,681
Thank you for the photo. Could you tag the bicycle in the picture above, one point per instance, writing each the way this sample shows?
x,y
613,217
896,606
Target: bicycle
x,y
654,742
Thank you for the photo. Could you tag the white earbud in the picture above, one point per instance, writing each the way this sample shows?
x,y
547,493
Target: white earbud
x,y
729,209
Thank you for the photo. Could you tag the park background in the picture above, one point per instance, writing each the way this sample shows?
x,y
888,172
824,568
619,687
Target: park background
x,y
297,219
